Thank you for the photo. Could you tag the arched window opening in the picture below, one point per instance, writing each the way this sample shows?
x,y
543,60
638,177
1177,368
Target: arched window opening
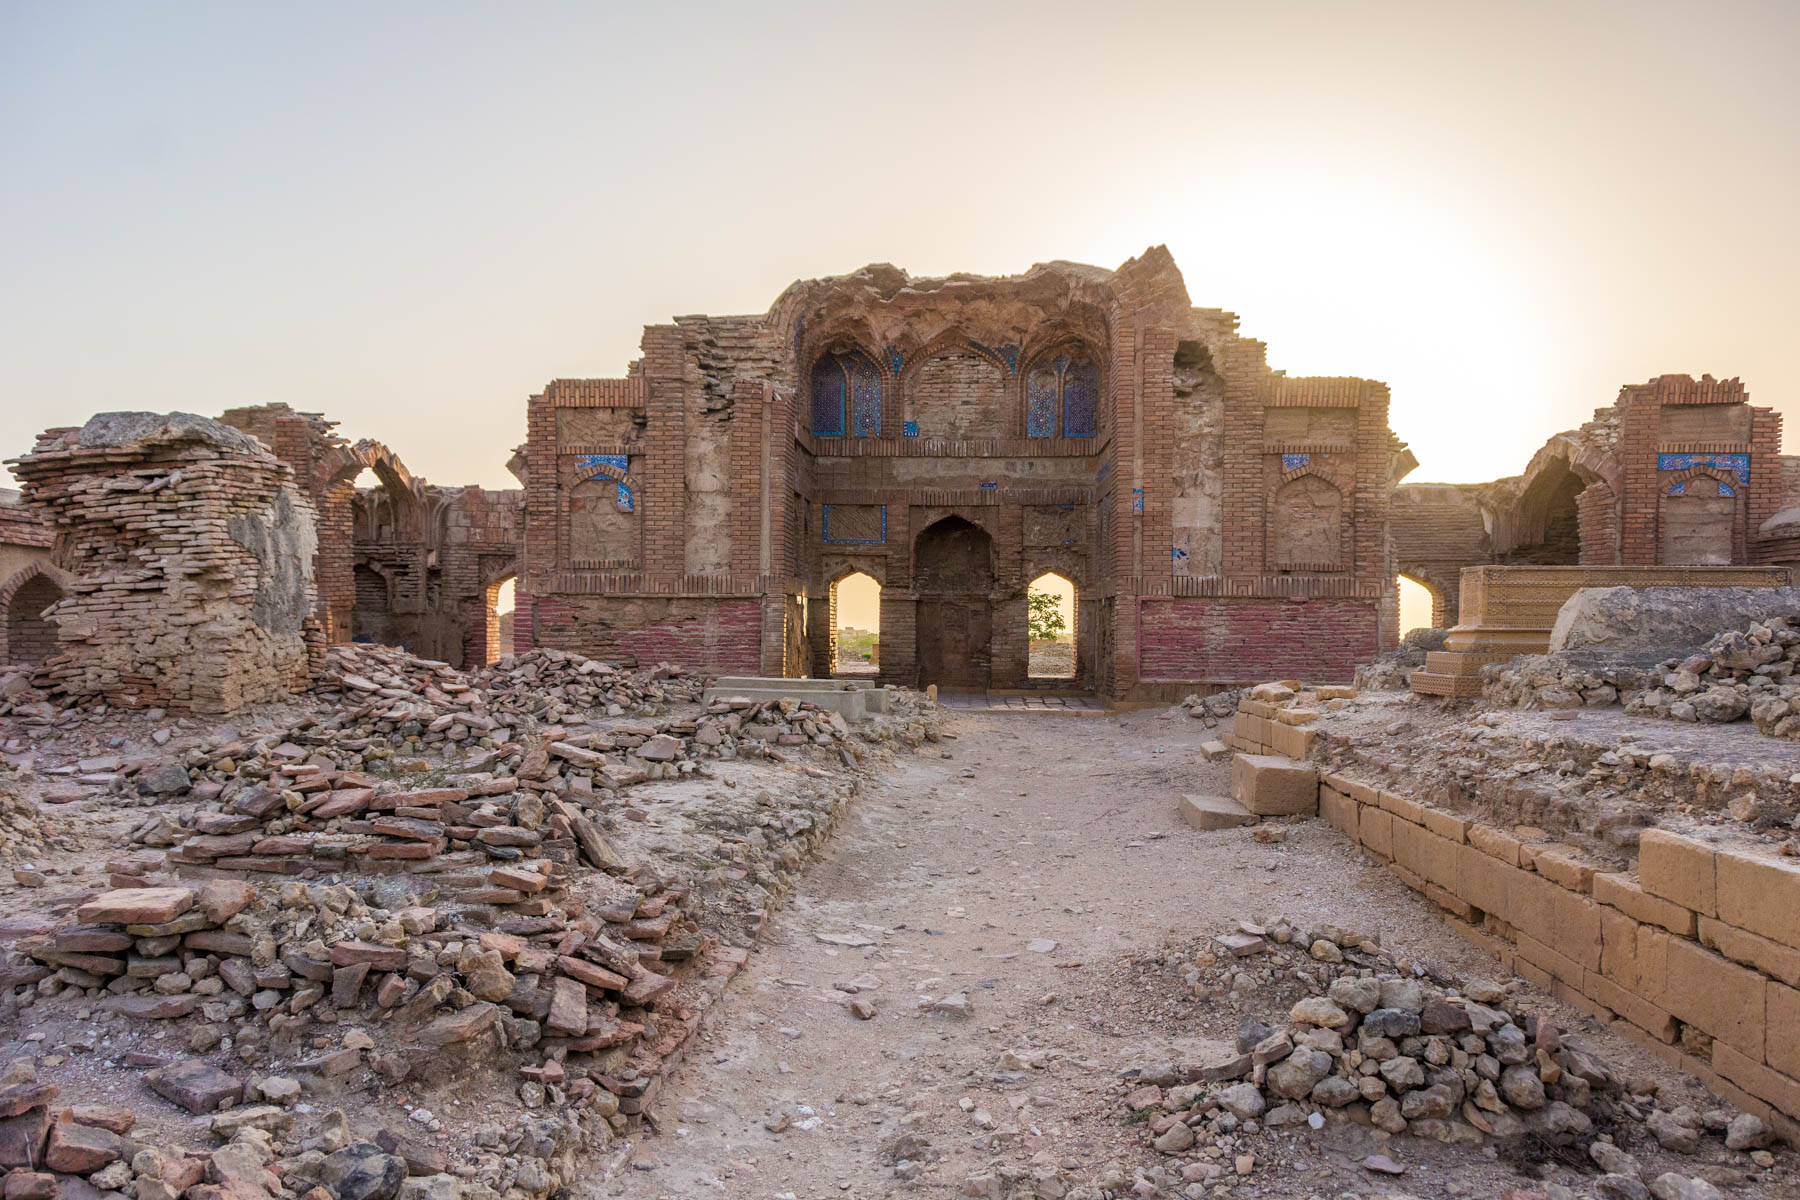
x,y
30,637
498,618
1063,391
856,625
1419,607
1050,627
846,396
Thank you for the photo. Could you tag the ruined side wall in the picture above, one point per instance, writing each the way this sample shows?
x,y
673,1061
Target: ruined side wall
x,y
1437,531
190,551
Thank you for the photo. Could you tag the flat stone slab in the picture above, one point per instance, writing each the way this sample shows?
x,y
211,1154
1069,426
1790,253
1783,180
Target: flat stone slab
x,y
852,704
137,906
1214,812
196,1086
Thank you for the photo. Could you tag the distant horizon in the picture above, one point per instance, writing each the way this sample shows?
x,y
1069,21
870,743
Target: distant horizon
x,y
1504,214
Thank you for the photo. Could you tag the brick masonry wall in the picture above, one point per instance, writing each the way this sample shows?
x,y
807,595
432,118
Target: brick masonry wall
x,y
1237,641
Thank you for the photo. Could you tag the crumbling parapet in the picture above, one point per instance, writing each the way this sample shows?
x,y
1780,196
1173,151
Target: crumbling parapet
x,y
190,556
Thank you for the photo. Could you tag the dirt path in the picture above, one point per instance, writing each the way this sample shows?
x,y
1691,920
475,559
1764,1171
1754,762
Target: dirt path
x,y
1028,829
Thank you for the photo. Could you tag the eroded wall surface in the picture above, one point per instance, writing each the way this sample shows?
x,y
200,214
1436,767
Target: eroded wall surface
x,y
189,555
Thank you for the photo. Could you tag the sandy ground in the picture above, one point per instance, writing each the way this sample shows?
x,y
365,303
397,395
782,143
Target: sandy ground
x,y
1058,828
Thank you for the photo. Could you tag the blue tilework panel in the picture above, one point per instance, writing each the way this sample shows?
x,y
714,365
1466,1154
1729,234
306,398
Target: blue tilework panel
x,y
1737,464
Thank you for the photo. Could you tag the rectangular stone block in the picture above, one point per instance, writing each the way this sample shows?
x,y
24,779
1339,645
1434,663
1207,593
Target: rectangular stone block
x,y
1770,1086
1619,948
1564,867
1560,966
1487,882
1781,1050
1403,807
137,906
1631,1006
1375,829
1679,869
1339,810
1628,896
1213,812
1720,997
1740,945
1495,844
1269,786
1447,825
1760,893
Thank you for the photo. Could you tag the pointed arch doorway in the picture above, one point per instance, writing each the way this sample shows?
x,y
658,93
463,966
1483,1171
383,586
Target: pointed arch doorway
x,y
953,573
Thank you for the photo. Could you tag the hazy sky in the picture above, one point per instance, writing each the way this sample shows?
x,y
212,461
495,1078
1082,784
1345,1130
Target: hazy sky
x,y
411,216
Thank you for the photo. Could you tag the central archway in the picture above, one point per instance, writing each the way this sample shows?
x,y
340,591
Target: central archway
x,y
953,573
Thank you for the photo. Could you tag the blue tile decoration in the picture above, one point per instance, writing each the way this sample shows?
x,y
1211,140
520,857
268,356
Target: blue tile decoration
x,y
1007,355
1678,488
1290,461
1725,489
627,501
825,529
1737,464
865,397
1178,554
910,429
1081,398
828,388
618,462
1041,388
988,485
846,396
896,359
1137,500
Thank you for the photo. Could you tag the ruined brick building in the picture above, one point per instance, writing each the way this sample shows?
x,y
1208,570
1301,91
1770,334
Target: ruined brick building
x,y
403,562
954,439
1677,472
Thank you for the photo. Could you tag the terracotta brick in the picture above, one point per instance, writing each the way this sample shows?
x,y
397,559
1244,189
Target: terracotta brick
x,y
1625,894
1760,893
1679,869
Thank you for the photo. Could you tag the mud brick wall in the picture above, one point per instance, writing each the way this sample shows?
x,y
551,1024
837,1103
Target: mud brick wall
x,y
1696,955
189,554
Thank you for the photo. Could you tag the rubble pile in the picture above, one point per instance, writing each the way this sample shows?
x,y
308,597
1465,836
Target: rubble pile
x,y
1737,675
1214,707
420,882
1372,1039
1388,672
25,833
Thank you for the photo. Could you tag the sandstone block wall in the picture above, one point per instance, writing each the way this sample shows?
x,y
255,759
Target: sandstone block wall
x,y
1696,956
189,553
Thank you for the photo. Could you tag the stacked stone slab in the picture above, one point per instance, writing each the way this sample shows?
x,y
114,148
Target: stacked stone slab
x,y
191,555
